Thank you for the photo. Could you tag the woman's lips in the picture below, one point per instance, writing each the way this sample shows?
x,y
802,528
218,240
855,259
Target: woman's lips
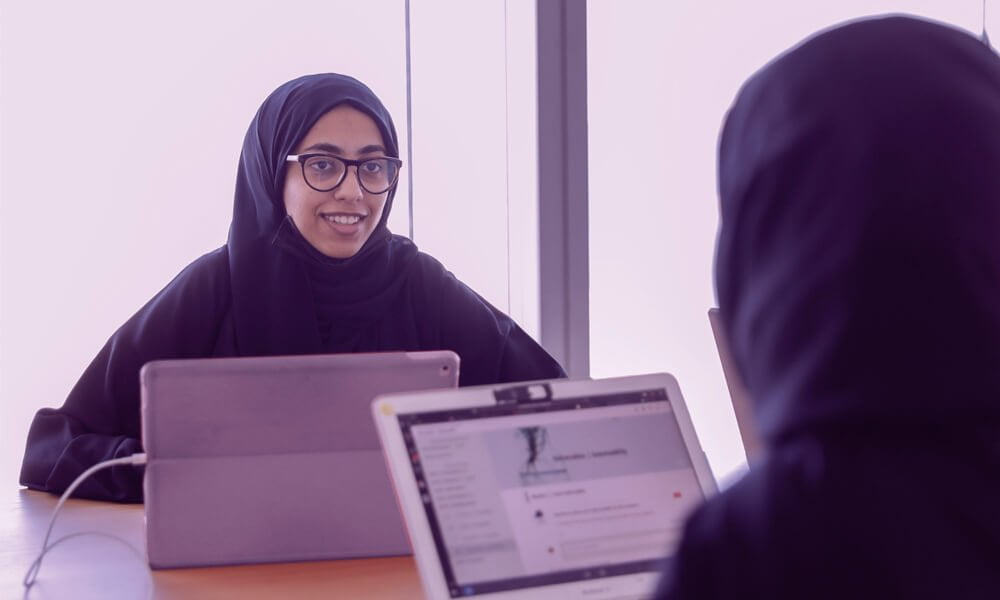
x,y
344,223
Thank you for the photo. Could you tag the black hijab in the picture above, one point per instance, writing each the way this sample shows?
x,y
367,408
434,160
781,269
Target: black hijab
x,y
285,292
858,259
858,274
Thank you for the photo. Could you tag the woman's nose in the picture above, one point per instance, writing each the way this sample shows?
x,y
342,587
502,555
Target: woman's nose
x,y
350,188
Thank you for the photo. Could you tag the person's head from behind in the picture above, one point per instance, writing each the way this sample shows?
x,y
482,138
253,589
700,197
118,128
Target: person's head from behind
x,y
858,259
323,151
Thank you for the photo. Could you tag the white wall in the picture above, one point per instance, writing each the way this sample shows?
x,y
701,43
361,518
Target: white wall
x,y
661,76
475,178
120,129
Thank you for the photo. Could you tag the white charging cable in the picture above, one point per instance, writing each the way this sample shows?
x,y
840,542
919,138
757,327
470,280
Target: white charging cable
x,y
137,459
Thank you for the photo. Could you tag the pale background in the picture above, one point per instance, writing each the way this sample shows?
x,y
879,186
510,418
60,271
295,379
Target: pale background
x,y
121,125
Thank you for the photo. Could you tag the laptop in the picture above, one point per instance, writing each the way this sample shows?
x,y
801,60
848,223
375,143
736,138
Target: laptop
x,y
742,407
273,459
544,490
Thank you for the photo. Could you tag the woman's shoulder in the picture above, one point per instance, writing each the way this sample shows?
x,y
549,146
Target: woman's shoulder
x,y
421,266
438,283
405,250
431,279
210,264
204,281
210,269
184,317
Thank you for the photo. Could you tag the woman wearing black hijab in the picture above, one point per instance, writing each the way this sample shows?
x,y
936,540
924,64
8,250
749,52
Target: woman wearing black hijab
x,y
858,275
309,267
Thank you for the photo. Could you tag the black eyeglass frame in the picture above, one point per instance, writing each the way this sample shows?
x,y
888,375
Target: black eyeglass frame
x,y
302,158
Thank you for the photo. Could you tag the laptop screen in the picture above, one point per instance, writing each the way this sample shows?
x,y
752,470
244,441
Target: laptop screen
x,y
521,495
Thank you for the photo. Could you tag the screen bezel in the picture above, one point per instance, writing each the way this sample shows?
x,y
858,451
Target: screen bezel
x,y
387,409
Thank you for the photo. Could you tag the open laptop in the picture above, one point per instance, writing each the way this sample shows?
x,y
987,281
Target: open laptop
x,y
273,459
738,393
544,490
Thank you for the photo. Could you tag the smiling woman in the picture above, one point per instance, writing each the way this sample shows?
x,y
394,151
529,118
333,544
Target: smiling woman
x,y
309,267
334,212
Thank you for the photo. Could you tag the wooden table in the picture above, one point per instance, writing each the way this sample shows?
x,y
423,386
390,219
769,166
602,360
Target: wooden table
x,y
94,565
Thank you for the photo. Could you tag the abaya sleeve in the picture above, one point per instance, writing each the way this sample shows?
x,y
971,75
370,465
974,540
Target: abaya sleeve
x,y
100,418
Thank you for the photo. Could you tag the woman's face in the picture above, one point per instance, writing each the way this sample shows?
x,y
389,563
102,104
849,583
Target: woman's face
x,y
337,222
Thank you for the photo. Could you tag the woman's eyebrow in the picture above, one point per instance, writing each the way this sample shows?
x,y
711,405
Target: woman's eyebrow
x,y
332,149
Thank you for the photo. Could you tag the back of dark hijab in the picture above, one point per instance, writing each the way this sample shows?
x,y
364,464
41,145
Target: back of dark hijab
x,y
858,276
274,292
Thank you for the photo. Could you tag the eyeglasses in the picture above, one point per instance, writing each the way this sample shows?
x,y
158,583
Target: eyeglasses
x,y
324,172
